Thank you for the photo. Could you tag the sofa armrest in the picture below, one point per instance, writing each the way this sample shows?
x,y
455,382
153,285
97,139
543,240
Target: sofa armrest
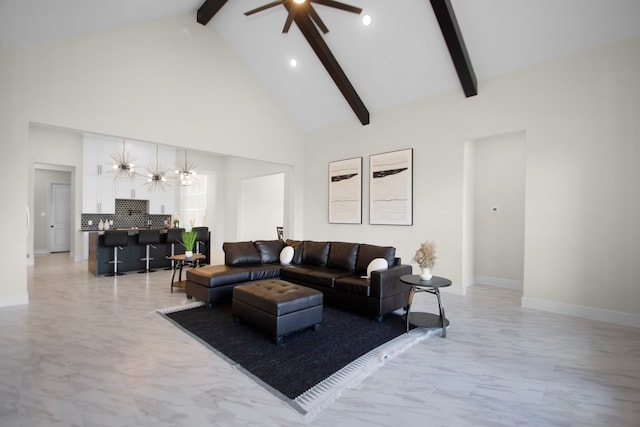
x,y
385,283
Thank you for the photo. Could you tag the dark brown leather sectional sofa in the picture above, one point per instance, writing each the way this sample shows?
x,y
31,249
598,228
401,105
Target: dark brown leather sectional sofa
x,y
334,268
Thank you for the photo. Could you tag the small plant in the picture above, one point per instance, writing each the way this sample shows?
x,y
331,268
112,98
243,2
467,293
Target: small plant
x,y
188,240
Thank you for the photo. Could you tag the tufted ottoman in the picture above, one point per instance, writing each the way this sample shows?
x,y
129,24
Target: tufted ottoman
x,y
277,307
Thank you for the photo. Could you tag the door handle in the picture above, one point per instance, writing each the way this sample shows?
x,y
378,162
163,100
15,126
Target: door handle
x,y
52,226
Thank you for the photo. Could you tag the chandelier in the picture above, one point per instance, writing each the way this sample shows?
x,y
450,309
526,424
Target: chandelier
x,y
157,179
123,166
185,171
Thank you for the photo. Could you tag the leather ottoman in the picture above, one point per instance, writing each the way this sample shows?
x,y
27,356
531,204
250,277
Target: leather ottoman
x,y
277,307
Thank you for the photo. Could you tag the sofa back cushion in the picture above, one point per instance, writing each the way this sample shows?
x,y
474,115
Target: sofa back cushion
x,y
240,253
269,249
342,255
368,253
298,247
315,253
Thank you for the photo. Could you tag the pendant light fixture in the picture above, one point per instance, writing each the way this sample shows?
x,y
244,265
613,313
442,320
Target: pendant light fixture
x,y
123,166
185,171
157,179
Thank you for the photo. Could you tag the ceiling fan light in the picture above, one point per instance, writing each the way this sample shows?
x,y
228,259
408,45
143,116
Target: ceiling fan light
x,y
299,1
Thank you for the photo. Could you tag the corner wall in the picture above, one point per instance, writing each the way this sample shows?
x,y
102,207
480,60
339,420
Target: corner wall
x,y
582,238
149,82
13,215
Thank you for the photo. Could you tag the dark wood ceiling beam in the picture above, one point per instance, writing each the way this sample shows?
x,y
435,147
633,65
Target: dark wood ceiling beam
x,y
453,37
208,10
314,38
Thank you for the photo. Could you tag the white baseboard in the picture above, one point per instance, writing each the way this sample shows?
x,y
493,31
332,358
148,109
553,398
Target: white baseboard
x,y
11,300
498,282
593,313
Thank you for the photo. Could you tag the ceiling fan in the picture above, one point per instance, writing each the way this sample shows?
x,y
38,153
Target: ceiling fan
x,y
306,18
304,7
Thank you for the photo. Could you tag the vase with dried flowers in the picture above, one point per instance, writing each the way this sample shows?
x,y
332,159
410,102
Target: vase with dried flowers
x,y
425,257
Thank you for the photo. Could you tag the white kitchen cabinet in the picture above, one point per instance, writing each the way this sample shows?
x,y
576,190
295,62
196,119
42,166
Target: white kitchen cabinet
x,y
134,189
96,155
100,189
98,184
98,194
164,202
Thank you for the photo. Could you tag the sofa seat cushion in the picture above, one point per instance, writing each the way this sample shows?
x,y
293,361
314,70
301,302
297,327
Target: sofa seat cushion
x,y
218,275
353,284
323,276
262,271
294,272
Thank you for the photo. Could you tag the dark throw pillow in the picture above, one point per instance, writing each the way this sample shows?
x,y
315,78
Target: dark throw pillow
x,y
240,253
368,253
298,247
315,253
343,255
269,249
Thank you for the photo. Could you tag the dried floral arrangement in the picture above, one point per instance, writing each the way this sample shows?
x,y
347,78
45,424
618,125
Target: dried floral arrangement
x,y
425,256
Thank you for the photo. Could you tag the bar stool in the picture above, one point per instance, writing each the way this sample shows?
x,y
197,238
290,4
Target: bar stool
x,y
202,237
174,235
115,239
148,238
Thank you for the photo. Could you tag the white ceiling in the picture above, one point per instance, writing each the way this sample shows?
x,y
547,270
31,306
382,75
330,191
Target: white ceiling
x,y
400,57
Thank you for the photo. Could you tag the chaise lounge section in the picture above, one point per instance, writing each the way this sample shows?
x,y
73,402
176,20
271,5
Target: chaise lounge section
x,y
337,269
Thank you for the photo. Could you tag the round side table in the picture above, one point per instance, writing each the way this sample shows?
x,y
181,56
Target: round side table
x,y
179,262
426,320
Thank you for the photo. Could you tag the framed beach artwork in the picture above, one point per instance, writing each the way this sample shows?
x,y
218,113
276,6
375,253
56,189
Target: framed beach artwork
x,y
391,188
345,191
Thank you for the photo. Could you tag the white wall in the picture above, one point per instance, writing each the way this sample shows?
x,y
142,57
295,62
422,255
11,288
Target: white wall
x,y
13,133
499,210
149,82
580,115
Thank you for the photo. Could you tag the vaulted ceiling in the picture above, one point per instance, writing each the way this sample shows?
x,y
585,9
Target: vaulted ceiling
x,y
402,56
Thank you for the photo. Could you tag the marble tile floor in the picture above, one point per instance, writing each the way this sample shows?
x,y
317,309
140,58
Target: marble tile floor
x,y
91,351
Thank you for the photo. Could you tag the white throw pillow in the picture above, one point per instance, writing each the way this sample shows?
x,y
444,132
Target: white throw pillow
x,y
375,265
286,255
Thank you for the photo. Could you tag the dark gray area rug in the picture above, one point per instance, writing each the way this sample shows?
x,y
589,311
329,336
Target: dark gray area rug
x,y
310,368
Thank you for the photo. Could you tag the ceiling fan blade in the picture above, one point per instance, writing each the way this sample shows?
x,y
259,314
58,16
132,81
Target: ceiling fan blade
x,y
287,24
338,5
316,18
263,7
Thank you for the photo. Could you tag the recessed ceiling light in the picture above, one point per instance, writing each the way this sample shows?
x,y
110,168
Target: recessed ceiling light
x,y
366,20
293,63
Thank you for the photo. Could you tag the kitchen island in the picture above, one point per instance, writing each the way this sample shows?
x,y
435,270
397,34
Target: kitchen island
x,y
132,254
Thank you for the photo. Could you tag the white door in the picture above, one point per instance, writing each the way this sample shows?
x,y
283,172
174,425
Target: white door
x,y
60,208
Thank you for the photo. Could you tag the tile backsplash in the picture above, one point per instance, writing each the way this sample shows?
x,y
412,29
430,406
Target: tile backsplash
x,y
129,214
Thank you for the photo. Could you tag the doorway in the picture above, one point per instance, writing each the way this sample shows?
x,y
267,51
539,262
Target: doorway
x,y
52,211
496,210
261,207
